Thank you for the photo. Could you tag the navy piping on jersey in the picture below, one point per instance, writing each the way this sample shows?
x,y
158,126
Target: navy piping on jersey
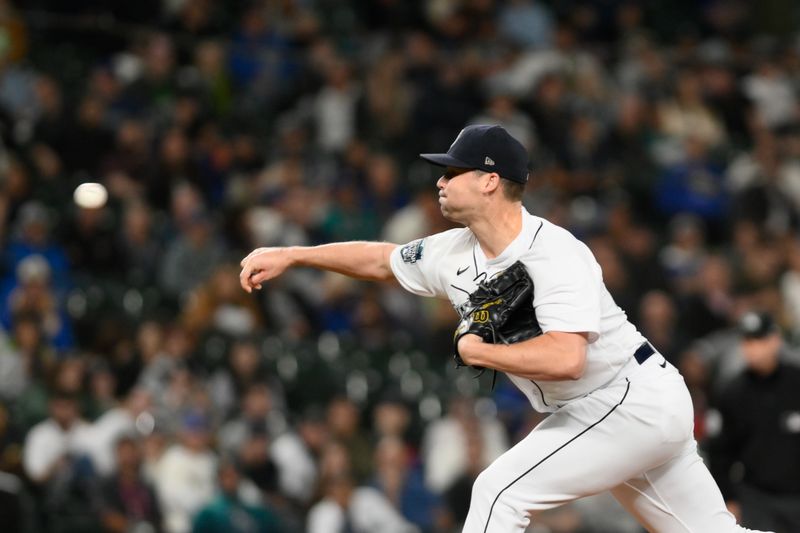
x,y
540,392
475,258
465,291
529,247
486,528
475,261
535,235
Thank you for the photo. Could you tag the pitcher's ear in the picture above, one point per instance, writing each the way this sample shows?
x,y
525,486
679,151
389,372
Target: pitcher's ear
x,y
491,182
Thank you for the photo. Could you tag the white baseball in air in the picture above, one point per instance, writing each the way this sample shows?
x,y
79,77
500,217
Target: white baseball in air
x,y
90,195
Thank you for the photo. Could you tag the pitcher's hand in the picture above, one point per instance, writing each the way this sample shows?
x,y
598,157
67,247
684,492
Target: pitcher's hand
x,y
263,264
735,509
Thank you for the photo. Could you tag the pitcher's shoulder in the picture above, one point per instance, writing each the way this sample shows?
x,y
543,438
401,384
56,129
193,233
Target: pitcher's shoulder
x,y
452,239
436,245
543,232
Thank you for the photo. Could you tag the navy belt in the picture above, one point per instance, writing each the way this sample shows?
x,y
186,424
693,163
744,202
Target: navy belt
x,y
643,352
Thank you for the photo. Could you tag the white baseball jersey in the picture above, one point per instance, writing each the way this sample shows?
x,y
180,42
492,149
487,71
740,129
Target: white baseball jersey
x,y
568,295
624,426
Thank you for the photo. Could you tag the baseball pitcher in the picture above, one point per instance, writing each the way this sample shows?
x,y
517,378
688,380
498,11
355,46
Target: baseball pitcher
x,y
533,305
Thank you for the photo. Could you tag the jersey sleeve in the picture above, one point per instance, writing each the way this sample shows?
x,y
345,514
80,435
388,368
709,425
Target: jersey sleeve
x,y
414,265
567,287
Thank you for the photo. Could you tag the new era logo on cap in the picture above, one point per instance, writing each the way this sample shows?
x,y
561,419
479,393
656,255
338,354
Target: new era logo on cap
x,y
486,147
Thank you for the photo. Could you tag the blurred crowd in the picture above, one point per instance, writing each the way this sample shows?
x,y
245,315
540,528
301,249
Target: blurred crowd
x,y
142,390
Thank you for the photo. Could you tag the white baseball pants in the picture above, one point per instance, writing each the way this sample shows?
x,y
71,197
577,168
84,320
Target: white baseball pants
x,y
633,437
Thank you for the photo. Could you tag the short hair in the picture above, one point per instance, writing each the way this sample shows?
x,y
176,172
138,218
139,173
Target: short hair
x,y
512,190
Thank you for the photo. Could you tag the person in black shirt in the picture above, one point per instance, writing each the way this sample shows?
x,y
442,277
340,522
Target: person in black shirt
x,y
126,502
756,455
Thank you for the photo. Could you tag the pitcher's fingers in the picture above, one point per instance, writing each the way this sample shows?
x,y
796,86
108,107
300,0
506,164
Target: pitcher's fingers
x,y
244,278
251,254
257,278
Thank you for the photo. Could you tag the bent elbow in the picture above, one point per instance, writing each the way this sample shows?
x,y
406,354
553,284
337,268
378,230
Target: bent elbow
x,y
576,367
385,266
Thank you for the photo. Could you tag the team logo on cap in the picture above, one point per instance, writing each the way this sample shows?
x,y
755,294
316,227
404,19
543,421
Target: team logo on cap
x,y
488,161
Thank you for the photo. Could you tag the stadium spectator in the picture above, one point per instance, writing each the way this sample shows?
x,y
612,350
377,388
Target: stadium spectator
x,y
192,257
33,235
760,434
444,466
658,319
344,423
347,507
296,469
185,477
119,421
403,485
228,512
34,294
52,444
125,500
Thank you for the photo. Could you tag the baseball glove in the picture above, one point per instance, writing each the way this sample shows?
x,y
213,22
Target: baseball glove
x,y
500,310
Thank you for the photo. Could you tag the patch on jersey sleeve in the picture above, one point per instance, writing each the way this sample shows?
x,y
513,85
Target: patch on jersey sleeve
x,y
412,252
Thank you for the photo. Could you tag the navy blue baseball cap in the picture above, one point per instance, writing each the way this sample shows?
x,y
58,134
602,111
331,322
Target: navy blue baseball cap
x,y
757,325
486,147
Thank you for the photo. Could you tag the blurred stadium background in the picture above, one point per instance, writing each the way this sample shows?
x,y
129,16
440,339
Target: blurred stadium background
x,y
139,383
